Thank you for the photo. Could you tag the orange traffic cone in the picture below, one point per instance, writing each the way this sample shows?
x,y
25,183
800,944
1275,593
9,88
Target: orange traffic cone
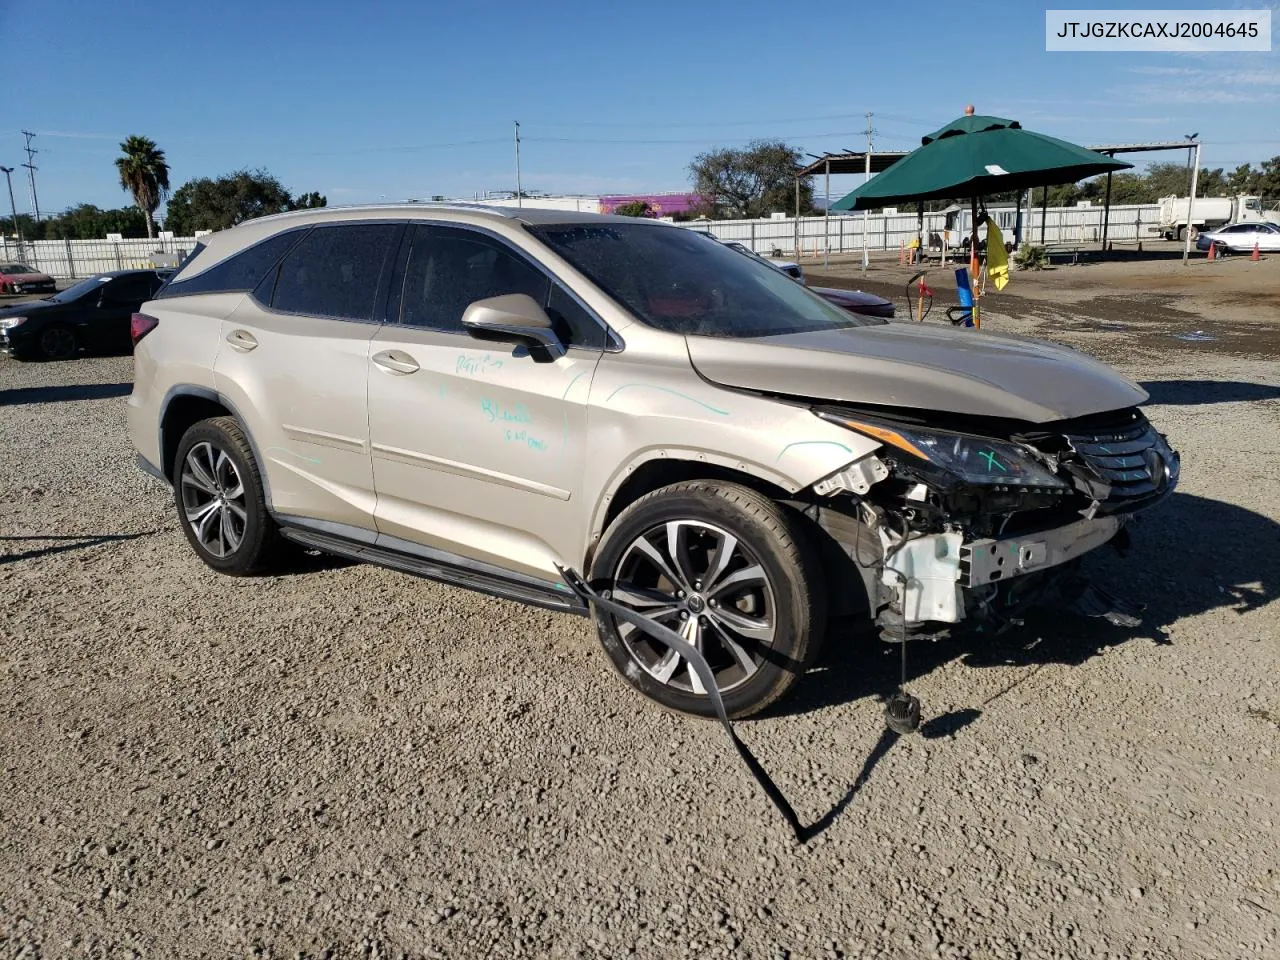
x,y
1256,255
1213,251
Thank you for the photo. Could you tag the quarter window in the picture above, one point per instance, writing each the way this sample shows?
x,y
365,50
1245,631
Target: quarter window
x,y
334,272
240,272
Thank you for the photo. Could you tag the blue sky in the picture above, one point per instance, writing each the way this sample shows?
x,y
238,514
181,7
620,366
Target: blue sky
x,y
368,99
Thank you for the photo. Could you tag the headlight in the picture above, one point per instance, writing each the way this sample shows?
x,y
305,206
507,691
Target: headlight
x,y
8,323
977,460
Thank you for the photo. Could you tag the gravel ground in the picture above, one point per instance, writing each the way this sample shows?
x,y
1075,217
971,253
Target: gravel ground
x,y
348,762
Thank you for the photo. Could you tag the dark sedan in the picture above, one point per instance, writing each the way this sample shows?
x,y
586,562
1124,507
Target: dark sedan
x,y
94,315
855,301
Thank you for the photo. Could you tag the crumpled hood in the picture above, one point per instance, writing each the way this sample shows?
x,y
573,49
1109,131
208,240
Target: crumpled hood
x,y
920,367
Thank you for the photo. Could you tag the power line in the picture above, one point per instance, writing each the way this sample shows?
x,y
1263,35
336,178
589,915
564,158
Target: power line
x,y
31,172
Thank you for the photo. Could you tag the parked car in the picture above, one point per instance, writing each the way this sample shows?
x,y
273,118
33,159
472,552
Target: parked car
x,y
20,278
1240,238
857,301
854,301
792,270
502,399
93,314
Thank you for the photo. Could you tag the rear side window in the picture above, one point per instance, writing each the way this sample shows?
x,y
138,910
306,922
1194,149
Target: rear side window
x,y
132,289
241,272
335,271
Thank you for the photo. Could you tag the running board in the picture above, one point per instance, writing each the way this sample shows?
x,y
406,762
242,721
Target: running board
x,y
462,573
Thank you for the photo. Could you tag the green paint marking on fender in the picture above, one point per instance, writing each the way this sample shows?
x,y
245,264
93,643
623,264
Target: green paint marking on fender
x,y
802,443
674,393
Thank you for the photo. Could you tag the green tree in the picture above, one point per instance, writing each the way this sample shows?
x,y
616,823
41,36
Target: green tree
x,y
205,204
308,201
145,174
87,222
754,181
636,208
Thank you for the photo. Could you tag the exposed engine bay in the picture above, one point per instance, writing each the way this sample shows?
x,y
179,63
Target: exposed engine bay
x,y
973,519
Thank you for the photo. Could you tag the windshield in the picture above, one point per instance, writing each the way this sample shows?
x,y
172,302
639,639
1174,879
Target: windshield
x,y
675,281
79,290
16,268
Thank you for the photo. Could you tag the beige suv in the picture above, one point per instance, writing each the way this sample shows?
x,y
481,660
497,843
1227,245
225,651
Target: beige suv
x,y
487,396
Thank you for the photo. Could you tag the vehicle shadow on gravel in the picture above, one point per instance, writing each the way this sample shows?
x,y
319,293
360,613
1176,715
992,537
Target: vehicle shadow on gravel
x,y
1195,392
79,391
63,543
1189,556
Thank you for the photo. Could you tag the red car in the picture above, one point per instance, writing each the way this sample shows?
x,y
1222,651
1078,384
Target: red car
x,y
19,278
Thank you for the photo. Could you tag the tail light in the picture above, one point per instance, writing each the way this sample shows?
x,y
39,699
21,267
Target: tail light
x,y
140,324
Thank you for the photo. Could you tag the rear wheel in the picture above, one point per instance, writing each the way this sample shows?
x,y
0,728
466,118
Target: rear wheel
x,y
221,505
732,573
58,342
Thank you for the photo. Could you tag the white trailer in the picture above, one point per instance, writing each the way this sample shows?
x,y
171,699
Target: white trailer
x,y
1208,213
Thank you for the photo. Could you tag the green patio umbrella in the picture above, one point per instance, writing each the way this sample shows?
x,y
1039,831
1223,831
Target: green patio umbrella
x,y
975,156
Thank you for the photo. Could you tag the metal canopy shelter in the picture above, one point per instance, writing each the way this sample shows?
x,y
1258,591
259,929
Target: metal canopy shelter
x,y
865,162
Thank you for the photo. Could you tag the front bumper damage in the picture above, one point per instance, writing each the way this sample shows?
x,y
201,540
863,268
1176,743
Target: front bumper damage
x,y
933,556
934,571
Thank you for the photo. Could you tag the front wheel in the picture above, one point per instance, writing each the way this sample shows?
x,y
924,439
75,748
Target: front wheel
x,y
731,572
58,343
221,505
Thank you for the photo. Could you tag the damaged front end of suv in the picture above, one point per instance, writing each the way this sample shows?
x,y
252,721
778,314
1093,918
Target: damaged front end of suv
x,y
971,520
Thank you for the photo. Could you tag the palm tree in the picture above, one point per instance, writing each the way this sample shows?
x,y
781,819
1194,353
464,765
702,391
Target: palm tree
x,y
145,174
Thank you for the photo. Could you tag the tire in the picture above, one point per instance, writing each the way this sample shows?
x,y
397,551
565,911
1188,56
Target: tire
x,y
58,342
1182,234
782,601
222,509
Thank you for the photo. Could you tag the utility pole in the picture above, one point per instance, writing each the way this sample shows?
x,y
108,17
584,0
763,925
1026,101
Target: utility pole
x,y
866,258
12,206
31,172
519,188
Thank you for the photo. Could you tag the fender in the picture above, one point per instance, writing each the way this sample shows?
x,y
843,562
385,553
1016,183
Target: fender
x,y
205,393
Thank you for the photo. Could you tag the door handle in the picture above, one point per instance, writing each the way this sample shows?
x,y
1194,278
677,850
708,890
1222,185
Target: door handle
x,y
242,340
396,361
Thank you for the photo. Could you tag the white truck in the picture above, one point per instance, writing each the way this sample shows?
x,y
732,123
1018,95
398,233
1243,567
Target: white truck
x,y
1208,213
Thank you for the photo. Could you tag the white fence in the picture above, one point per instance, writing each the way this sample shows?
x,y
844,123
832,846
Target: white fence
x,y
74,259
843,234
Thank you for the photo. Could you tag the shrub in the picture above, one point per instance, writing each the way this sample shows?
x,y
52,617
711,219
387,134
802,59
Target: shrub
x,y
1031,257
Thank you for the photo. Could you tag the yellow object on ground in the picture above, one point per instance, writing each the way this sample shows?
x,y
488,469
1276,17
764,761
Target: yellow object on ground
x,y
997,258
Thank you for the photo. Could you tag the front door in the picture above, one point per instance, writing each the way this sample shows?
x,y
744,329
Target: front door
x,y
478,448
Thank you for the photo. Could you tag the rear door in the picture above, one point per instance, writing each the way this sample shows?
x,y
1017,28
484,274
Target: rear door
x,y
295,363
478,448
106,326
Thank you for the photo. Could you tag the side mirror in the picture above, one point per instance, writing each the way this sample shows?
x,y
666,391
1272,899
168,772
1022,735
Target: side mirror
x,y
514,318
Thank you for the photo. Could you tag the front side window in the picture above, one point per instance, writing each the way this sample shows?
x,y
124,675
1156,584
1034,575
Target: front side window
x,y
240,272
449,269
673,281
19,268
334,271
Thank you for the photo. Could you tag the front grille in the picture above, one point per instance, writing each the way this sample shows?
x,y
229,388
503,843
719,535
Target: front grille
x,y
1118,459
1121,459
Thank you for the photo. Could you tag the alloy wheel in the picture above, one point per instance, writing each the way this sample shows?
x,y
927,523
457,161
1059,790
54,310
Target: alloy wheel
x,y
58,343
213,498
706,584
